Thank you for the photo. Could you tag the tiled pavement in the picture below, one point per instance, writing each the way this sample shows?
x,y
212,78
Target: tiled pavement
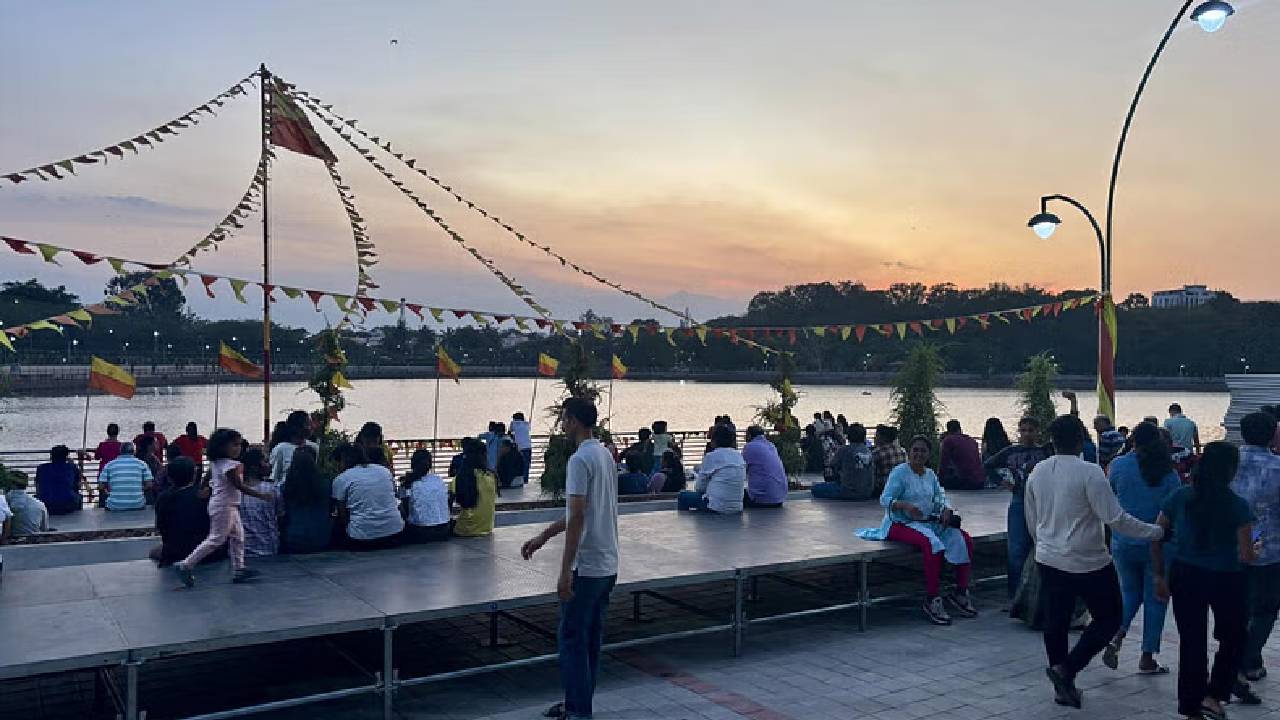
x,y
821,668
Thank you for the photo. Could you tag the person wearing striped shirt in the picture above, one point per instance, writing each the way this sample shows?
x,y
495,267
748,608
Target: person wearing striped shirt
x,y
125,480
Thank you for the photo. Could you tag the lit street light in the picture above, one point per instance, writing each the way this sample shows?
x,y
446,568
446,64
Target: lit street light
x,y
1210,16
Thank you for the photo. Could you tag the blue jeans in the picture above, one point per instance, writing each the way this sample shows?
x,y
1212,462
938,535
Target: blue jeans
x,y
691,500
1019,542
580,637
826,490
1138,588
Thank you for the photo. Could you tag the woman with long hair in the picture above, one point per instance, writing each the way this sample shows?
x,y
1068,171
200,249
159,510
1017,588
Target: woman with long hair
x,y
307,525
1142,480
476,491
917,514
426,501
1212,533
365,493
375,449
994,438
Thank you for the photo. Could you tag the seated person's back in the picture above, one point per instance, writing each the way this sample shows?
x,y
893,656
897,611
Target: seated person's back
x,y
30,516
632,482
854,467
722,477
126,479
58,482
366,495
426,501
307,524
182,515
476,490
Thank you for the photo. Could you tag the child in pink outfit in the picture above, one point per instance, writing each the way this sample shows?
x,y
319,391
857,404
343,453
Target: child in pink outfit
x,y
226,482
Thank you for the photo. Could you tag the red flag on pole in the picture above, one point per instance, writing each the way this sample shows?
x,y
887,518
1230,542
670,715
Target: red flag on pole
x,y
291,129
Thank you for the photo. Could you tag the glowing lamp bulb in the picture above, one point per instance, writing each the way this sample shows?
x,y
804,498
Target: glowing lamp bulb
x,y
1211,16
1044,224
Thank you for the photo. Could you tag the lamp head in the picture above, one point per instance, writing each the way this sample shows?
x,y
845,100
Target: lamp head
x,y
1044,224
1212,15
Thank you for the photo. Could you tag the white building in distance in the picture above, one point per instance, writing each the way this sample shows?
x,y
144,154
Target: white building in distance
x,y
1188,296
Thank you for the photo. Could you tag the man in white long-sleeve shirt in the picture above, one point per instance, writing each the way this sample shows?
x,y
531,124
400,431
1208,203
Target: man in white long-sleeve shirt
x,y
1068,501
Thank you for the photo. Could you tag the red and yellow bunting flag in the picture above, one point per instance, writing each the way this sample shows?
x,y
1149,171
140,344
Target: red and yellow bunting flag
x,y
111,379
547,365
290,128
619,370
237,364
446,367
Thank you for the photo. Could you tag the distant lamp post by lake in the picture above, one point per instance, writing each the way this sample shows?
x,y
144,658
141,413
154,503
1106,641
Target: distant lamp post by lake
x,y
1211,16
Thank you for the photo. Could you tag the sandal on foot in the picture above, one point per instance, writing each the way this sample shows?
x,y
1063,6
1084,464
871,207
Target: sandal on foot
x,y
1157,670
1111,656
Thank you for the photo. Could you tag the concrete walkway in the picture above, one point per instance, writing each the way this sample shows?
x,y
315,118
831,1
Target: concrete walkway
x,y
823,669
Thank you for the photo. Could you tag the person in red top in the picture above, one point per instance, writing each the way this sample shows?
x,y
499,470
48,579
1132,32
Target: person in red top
x,y
960,467
192,444
108,449
157,448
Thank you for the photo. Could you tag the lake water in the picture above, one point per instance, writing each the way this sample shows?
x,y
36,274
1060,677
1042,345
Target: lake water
x,y
404,407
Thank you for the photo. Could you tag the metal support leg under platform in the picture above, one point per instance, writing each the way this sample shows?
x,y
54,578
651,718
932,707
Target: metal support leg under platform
x,y
131,690
864,597
739,611
390,679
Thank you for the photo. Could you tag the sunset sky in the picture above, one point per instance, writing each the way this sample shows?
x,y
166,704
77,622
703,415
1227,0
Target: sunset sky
x,y
699,151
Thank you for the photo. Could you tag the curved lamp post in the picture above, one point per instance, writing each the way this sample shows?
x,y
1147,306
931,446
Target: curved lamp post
x,y
1210,16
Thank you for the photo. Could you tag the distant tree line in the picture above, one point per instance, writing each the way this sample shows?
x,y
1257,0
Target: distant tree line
x,y
1223,336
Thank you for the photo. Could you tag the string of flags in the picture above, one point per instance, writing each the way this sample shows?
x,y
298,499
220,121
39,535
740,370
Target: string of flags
x,y
330,117
749,336
526,296
366,253
60,169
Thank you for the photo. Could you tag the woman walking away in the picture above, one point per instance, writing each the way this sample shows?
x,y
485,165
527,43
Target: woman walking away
x,y
227,484
1142,480
426,501
307,525
917,514
1212,531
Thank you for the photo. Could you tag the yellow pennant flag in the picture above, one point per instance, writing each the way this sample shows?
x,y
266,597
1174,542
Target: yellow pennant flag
x,y
43,325
340,380
819,331
389,305
5,342
48,252
520,323
445,365
634,329
702,334
951,325
82,315
618,370
669,332
436,313
902,330
845,331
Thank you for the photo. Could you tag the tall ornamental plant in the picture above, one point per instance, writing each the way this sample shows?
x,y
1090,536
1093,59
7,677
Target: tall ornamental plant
x,y
915,402
575,381
1035,386
779,416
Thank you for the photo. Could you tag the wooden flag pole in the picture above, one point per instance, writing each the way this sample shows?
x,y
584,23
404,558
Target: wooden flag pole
x,y
84,437
435,420
217,396
265,76
534,399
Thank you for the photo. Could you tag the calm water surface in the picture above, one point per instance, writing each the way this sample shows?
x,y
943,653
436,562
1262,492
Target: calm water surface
x,y
404,407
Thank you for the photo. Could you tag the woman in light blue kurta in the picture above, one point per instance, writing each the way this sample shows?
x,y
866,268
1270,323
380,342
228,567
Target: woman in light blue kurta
x,y
917,513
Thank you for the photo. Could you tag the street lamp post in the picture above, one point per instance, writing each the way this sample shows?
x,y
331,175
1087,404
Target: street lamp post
x,y
1210,16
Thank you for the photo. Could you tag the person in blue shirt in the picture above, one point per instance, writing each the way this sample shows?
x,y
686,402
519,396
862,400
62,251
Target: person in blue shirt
x,y
125,481
1258,482
633,481
1141,481
58,482
1212,530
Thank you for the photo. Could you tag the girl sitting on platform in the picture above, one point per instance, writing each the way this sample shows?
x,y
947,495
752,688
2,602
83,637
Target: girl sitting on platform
x,y
917,514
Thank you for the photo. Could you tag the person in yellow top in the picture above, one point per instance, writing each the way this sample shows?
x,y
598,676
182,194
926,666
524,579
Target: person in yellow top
x,y
476,491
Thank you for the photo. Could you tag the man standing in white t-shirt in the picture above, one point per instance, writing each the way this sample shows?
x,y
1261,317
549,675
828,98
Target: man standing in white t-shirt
x,y
522,434
589,566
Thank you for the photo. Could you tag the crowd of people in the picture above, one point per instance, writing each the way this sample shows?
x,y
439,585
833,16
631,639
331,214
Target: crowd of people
x,y
1191,523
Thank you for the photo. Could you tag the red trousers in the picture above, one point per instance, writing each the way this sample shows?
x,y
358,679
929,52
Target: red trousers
x,y
932,561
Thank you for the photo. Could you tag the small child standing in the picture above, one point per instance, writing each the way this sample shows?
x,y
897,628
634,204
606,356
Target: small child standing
x,y
226,480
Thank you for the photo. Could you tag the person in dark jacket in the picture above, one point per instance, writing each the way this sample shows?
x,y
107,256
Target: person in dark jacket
x,y
58,482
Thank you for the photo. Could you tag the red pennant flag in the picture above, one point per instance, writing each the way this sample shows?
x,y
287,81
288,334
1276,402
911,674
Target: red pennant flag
x,y
499,319
267,287
19,246
581,326
1057,309
751,333
291,129
651,328
733,336
542,324
615,328
887,329
860,332
791,336
1028,313
960,322
208,281
935,324
984,319
415,309
460,314
86,257
366,303
717,332
315,296
917,329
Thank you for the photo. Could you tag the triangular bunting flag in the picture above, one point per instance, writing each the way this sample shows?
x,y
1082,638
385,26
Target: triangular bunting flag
x,y
951,325
860,331
48,252
237,287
